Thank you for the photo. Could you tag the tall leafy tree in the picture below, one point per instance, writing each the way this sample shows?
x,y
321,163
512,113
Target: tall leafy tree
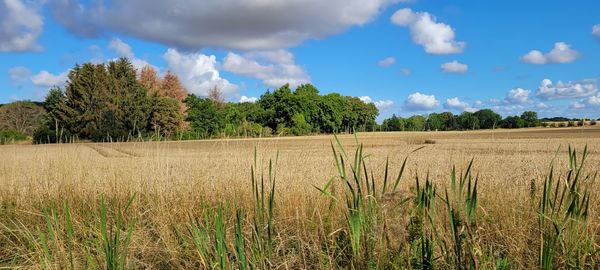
x,y
487,118
468,121
204,116
530,119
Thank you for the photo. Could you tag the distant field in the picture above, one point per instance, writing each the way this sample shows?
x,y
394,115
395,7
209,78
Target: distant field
x,y
176,183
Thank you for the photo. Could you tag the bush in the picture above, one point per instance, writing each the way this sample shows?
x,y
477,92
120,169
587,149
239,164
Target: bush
x,y
571,123
10,136
593,123
581,123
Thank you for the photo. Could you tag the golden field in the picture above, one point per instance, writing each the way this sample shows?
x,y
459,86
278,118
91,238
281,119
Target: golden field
x,y
175,185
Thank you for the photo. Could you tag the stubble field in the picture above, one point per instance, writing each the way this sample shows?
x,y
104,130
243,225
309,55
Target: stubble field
x,y
192,204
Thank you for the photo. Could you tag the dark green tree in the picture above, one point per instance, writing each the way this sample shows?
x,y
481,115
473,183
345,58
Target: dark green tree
x,y
204,116
488,119
393,123
512,122
531,119
415,123
468,121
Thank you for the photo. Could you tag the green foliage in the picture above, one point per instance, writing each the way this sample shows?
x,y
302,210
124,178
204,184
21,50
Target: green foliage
x,y
488,119
204,116
393,123
563,217
468,121
530,119
299,125
435,122
415,123
513,122
113,242
284,111
10,136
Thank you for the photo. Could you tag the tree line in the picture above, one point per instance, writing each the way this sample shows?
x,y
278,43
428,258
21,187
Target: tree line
x,y
481,119
114,102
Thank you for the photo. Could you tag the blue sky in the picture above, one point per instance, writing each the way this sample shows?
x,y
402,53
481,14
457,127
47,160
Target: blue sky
x,y
407,57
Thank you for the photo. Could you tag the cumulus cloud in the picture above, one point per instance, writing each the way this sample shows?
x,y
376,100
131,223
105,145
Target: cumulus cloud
x,y
121,48
589,102
548,90
20,26
197,72
47,79
275,68
560,54
455,104
387,62
382,105
233,24
541,106
124,50
245,99
19,74
435,37
454,67
420,102
517,96
596,31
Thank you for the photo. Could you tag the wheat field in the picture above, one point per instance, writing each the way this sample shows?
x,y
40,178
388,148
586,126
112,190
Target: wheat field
x,y
166,205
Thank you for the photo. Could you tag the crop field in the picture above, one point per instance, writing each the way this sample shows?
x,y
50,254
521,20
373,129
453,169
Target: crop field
x,y
292,203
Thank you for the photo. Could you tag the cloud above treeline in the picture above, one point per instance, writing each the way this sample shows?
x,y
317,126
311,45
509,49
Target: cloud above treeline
x,y
274,68
435,37
230,24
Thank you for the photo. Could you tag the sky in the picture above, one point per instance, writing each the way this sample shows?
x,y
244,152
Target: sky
x,y
405,56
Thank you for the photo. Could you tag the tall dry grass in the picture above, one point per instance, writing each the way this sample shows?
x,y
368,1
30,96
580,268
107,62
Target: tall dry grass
x,y
287,203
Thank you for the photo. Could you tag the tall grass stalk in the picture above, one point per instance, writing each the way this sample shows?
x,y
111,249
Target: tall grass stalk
x,y
563,217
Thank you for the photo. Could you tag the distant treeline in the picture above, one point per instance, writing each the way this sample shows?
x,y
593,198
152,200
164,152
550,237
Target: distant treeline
x,y
113,102
482,119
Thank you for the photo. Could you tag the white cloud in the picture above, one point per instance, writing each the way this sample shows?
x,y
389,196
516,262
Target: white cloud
x,y
19,74
560,54
197,72
548,90
596,31
589,102
455,104
47,79
121,48
436,38
233,24
454,67
541,106
124,50
517,96
244,99
382,105
387,62
274,68
577,105
20,26
420,102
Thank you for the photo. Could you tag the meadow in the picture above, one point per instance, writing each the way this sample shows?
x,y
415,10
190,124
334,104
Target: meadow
x,y
501,199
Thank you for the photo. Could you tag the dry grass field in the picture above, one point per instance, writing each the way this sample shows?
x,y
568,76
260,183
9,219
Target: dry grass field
x,y
192,204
